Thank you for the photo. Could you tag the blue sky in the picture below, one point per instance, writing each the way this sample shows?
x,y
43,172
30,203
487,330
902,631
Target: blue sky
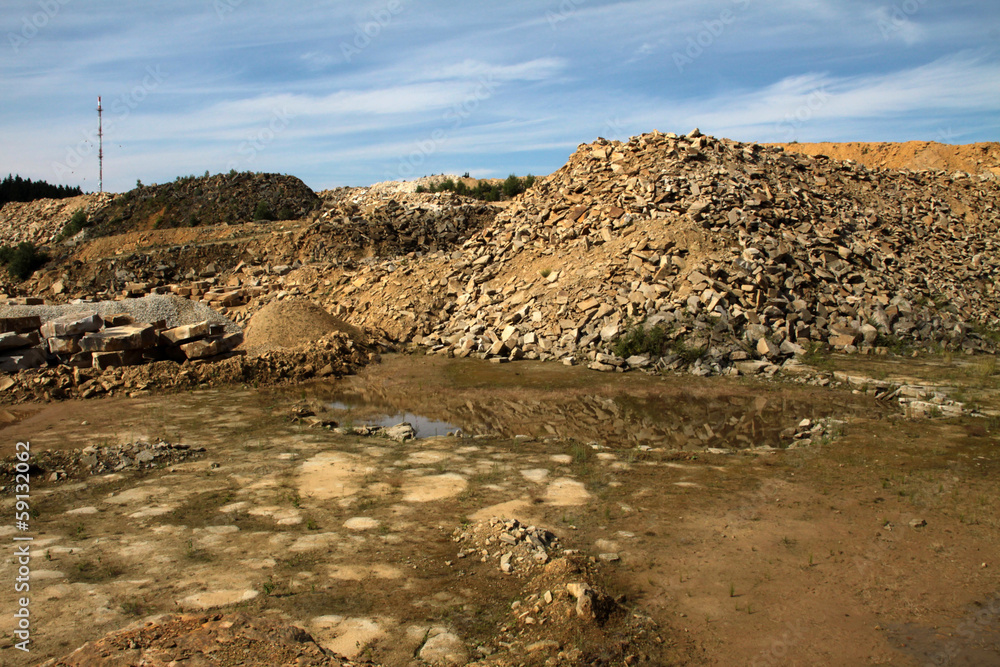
x,y
351,93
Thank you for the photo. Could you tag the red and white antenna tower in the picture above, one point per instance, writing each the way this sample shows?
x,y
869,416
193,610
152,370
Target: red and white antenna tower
x,y
100,146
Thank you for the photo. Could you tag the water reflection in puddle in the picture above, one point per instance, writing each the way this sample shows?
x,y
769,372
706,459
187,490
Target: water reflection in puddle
x,y
637,412
425,427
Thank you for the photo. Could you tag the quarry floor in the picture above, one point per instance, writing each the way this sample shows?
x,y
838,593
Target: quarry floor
x,y
877,546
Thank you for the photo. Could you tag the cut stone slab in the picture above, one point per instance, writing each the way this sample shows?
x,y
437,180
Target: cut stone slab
x,y
118,320
186,333
20,324
72,325
104,360
202,349
131,337
16,341
64,345
32,357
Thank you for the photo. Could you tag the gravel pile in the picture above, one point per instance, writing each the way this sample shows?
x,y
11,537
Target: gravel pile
x,y
148,309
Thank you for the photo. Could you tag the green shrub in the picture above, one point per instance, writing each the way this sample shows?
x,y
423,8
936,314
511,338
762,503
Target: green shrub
x,y
263,212
654,341
484,191
21,261
76,223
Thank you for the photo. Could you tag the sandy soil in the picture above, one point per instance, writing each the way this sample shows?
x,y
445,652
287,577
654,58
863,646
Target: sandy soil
x,y
877,546
981,158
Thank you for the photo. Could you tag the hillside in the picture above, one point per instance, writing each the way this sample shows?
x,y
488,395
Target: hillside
x,y
204,201
982,158
40,221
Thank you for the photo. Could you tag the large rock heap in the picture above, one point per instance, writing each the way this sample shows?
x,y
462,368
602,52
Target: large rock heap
x,y
741,252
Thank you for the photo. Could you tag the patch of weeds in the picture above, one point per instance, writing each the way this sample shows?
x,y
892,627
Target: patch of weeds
x,y
581,453
311,525
894,344
131,608
492,476
90,572
545,273
195,554
637,339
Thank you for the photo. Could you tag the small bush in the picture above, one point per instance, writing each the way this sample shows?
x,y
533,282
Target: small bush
x,y
21,261
654,341
76,223
263,212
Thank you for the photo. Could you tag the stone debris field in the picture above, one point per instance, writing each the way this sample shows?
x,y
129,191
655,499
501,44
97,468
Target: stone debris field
x,y
684,401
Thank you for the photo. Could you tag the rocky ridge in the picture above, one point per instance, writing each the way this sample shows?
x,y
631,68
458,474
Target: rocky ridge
x,y
744,254
41,221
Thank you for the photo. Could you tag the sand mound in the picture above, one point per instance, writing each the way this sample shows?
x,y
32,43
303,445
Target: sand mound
x,y
292,323
982,158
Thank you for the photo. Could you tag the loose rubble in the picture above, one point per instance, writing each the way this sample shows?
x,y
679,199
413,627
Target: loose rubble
x,y
517,548
332,356
55,465
218,640
746,255
558,602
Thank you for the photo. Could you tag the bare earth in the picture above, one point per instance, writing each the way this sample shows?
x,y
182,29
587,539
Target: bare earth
x,y
876,546
981,158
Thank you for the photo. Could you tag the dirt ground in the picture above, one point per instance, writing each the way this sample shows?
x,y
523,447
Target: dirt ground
x,y
981,158
874,545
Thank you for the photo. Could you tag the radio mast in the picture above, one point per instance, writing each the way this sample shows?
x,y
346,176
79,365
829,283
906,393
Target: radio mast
x,y
100,146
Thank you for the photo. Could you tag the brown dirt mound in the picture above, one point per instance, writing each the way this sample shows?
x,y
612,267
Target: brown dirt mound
x,y
981,158
293,323
220,640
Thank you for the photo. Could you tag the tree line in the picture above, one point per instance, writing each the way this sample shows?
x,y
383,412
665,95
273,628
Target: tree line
x,y
15,188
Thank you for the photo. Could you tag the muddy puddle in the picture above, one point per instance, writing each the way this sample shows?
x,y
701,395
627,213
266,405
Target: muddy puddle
x,y
444,396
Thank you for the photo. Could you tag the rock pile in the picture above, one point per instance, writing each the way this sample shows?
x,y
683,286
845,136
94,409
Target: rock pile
x,y
742,253
57,465
394,223
333,356
90,341
515,547
209,200
42,220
